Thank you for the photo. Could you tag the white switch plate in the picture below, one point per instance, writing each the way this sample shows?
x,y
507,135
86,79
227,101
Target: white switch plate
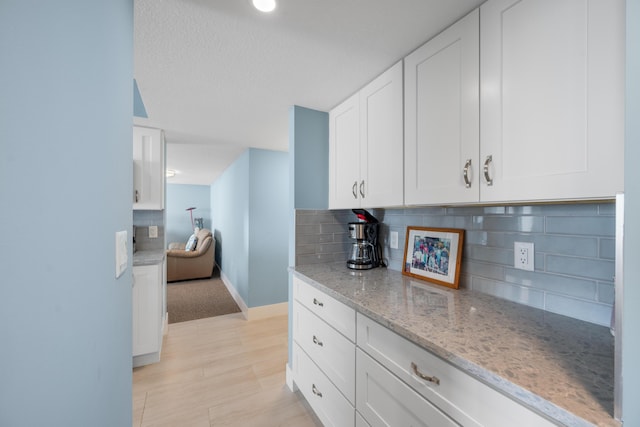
x,y
153,232
523,255
393,240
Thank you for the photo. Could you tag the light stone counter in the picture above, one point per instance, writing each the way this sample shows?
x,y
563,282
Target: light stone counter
x,y
560,367
148,257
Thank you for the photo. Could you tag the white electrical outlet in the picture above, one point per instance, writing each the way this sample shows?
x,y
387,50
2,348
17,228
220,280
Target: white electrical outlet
x,y
153,232
393,240
523,255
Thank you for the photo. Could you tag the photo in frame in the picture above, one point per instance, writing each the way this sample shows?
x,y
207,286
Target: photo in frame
x,y
434,254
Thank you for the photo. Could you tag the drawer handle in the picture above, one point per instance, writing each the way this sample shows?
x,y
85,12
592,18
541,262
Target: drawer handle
x,y
465,174
316,302
317,341
315,390
486,170
433,379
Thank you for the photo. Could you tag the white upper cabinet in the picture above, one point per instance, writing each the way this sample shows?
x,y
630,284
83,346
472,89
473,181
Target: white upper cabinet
x,y
148,169
442,117
344,154
551,91
366,145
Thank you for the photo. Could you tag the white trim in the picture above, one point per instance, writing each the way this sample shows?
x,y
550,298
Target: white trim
x,y
288,374
254,313
235,295
146,359
146,122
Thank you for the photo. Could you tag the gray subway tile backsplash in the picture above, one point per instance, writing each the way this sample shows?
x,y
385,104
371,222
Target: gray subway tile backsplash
x,y
574,250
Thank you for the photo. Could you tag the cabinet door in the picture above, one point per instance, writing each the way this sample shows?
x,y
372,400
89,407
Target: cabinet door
x,y
339,316
332,352
327,402
344,154
456,394
552,99
147,307
381,146
384,400
442,117
148,169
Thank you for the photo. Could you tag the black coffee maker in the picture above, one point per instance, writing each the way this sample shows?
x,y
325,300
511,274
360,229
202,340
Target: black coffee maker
x,y
365,252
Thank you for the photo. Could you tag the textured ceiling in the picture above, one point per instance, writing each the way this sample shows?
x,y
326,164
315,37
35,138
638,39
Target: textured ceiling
x,y
218,76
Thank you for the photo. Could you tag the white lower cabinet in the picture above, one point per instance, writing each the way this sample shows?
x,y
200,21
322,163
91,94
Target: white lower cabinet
x,y
330,406
360,422
355,372
331,351
448,395
147,301
324,354
384,400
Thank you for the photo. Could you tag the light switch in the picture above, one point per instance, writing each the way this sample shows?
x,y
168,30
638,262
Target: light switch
x,y
393,240
121,252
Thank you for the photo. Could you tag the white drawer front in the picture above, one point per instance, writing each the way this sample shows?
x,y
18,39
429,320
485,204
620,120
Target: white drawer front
x,y
462,397
360,422
338,315
384,400
332,352
327,402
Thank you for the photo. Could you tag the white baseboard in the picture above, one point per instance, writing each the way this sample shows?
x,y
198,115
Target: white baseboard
x,y
235,295
288,374
254,313
146,359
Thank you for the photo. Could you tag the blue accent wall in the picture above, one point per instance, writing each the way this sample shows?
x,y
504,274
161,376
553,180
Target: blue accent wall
x,y
249,216
631,312
178,198
309,172
65,189
138,105
268,239
248,206
309,148
230,214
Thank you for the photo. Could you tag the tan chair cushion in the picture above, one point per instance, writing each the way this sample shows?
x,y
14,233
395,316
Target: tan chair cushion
x,y
196,264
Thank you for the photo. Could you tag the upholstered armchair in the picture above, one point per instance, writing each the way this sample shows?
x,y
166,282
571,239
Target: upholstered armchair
x,y
183,264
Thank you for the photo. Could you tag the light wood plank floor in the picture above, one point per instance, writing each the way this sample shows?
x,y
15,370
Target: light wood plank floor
x,y
221,371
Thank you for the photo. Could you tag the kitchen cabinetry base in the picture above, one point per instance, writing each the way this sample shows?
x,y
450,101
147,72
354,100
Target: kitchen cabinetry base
x,y
146,359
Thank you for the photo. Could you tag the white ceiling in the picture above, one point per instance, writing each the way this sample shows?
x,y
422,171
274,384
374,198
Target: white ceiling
x,y
218,76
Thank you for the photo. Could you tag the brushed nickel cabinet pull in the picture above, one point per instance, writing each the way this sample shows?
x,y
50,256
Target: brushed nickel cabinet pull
x,y
433,379
316,302
486,170
315,390
362,188
465,174
354,189
317,341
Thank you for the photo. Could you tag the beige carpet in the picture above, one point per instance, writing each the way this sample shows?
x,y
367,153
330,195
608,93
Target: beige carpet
x,y
197,299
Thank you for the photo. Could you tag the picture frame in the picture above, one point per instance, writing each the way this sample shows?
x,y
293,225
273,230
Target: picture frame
x,y
434,255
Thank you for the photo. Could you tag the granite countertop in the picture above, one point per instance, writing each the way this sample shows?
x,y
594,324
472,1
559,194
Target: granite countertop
x,y
148,257
560,367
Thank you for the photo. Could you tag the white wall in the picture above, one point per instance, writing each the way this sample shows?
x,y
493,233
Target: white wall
x,y
65,188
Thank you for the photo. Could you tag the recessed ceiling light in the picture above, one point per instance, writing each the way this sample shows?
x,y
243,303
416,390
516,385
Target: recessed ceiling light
x,y
264,5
